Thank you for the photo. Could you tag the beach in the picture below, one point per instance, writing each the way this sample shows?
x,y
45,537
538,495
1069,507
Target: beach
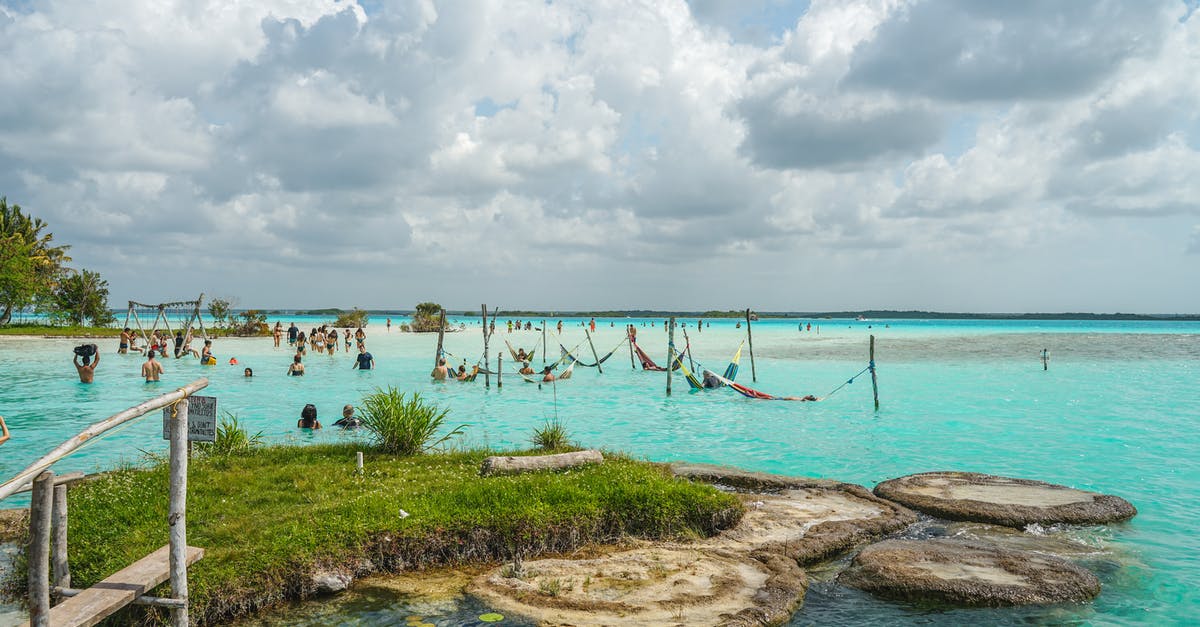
x,y
1115,412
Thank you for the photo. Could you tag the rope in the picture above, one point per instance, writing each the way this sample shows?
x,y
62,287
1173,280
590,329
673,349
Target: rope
x,y
870,368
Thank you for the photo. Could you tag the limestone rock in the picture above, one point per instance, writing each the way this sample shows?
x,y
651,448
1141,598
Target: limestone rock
x,y
331,581
975,497
967,573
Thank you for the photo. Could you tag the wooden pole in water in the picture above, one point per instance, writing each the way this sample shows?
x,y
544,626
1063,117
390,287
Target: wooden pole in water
x,y
670,353
58,539
750,340
487,380
688,344
177,511
437,358
874,383
543,342
594,355
38,554
1045,359
499,369
629,340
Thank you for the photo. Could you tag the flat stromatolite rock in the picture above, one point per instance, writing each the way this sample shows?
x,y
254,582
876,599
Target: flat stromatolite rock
x,y
655,585
976,497
967,573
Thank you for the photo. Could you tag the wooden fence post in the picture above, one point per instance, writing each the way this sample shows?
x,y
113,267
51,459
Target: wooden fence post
x,y
41,506
499,369
629,339
487,379
177,512
58,540
437,358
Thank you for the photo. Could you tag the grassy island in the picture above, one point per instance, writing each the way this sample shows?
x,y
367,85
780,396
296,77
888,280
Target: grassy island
x,y
271,517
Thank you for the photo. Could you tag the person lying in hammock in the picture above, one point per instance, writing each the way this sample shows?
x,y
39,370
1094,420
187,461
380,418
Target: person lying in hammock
x,y
521,356
464,377
525,368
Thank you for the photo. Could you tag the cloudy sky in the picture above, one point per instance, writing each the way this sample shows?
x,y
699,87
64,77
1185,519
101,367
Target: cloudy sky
x,y
967,155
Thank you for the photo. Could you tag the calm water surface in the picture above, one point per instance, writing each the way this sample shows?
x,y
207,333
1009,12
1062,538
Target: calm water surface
x,y
1117,412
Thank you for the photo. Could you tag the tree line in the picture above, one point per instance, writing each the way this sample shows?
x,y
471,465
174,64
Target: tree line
x,y
34,274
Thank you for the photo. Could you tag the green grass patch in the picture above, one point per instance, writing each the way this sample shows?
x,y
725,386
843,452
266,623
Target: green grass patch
x,y
268,519
41,330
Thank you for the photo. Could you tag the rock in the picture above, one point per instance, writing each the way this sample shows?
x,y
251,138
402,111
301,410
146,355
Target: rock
x,y
967,573
510,465
331,581
812,524
745,479
649,586
975,497
1057,543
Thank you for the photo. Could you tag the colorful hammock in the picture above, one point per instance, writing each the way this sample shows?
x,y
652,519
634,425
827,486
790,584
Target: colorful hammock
x,y
575,360
566,374
647,363
696,384
511,351
763,396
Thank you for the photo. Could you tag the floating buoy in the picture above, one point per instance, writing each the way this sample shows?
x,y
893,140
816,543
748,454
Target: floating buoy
x,y
491,617
233,361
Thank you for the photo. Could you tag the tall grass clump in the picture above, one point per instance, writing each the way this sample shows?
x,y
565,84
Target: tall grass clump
x,y
551,436
232,438
401,424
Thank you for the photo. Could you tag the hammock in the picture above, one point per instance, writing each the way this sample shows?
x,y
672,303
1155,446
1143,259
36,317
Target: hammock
x,y
566,374
647,363
575,360
696,384
763,396
511,351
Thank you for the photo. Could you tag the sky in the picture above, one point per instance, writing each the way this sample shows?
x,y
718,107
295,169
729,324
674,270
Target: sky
x,y
966,155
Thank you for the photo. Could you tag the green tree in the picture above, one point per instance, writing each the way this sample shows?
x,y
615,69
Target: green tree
x,y
82,296
219,309
425,319
24,282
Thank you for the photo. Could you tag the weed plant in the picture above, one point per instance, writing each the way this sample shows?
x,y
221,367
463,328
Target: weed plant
x,y
401,424
551,436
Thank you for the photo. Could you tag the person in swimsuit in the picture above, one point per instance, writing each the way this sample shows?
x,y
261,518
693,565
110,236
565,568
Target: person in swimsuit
x,y
206,356
364,361
87,372
297,368
547,376
178,344
360,336
389,325
293,332
301,342
349,339
187,346
525,368
348,419
123,348
440,372
333,341
308,418
464,377
278,333
151,370
560,327
248,373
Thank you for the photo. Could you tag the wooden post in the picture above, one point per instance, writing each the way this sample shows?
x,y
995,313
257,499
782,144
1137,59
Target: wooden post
x,y
687,348
871,365
499,369
629,340
60,567
41,505
594,355
1045,359
177,511
670,353
441,335
543,342
750,340
487,380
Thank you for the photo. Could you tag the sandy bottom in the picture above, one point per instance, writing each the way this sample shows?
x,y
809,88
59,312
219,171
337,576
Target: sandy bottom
x,y
999,492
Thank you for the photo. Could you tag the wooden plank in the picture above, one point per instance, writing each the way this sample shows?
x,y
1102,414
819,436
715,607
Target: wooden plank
x,y
67,479
118,590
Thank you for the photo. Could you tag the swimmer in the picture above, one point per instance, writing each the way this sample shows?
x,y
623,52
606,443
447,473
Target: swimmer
x,y
151,370
296,369
440,372
348,419
277,333
123,347
547,376
248,373
86,370
525,368
364,361
308,418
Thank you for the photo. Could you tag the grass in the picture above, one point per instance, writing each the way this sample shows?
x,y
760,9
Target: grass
x,y
551,436
403,424
41,330
269,518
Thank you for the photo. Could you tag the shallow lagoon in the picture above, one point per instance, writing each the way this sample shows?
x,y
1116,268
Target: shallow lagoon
x,y
1116,412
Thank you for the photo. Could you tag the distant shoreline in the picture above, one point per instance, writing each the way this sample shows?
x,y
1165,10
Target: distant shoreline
x,y
870,314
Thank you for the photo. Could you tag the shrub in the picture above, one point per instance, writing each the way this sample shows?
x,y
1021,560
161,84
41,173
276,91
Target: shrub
x,y
352,319
426,317
403,426
232,439
552,435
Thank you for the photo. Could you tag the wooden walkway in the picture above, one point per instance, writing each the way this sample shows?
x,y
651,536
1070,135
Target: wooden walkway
x,y
118,590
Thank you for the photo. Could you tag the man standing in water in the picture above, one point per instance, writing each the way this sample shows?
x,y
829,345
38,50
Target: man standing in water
x,y
151,370
292,333
364,361
440,372
87,370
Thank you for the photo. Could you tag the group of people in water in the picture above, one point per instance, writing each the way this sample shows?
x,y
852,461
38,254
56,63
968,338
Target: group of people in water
x,y
322,339
308,418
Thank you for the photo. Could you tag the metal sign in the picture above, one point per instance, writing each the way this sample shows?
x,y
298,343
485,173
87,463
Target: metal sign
x,y
202,419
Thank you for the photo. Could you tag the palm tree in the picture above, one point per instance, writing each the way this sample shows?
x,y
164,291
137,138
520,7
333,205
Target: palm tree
x,y
47,258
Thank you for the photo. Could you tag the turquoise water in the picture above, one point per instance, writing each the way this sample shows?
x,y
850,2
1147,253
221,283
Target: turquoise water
x,y
1116,412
